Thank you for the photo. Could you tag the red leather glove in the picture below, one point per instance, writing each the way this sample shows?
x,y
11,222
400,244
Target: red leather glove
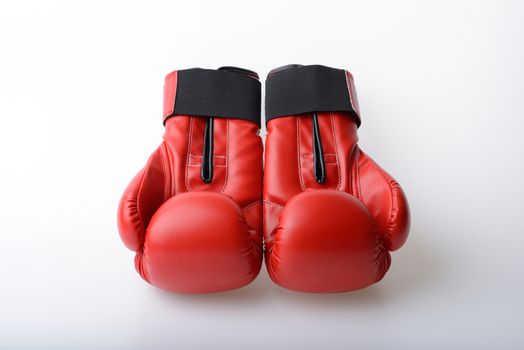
x,y
331,214
193,214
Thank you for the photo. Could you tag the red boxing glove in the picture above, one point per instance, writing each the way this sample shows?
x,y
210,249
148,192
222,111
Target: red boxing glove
x,y
331,214
194,213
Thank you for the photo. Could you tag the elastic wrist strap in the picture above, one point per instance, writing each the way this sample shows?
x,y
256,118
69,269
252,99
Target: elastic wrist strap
x,y
295,89
225,93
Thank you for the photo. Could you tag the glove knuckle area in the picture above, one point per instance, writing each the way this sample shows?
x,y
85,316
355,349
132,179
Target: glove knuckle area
x,y
326,242
199,242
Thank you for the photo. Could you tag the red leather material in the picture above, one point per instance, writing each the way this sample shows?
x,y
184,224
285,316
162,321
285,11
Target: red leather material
x,y
352,92
337,251
200,241
139,202
191,236
385,200
335,236
170,85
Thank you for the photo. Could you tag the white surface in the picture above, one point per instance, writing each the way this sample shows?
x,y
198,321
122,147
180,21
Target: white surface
x,y
441,89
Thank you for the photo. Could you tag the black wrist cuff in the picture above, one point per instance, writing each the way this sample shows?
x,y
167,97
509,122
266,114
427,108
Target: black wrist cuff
x,y
228,92
296,89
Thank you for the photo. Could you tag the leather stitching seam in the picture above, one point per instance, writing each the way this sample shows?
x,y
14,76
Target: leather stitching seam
x,y
189,151
300,175
249,206
227,156
357,176
336,149
271,204
352,161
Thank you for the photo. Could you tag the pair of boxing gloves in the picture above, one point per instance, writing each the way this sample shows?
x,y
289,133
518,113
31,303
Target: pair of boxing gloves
x,y
204,211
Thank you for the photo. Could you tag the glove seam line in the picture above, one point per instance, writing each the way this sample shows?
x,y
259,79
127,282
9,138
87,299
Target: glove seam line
x,y
336,149
166,161
189,151
273,204
253,204
300,175
227,157
352,175
357,174
171,171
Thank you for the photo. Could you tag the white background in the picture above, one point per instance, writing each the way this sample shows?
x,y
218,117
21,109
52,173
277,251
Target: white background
x,y
441,87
